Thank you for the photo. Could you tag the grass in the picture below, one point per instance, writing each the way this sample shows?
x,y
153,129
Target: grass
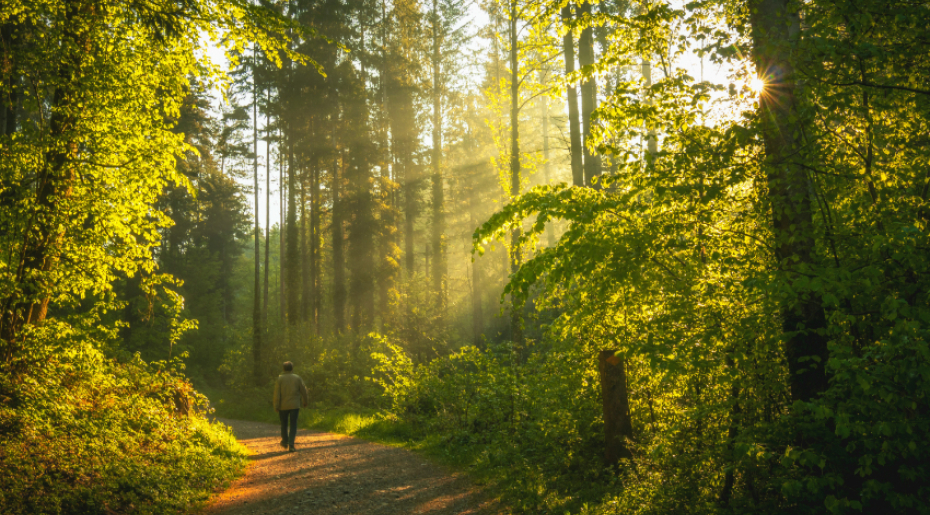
x,y
366,423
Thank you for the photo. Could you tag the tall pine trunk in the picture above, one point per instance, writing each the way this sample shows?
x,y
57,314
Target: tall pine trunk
x,y
292,241
306,295
315,243
282,210
267,219
410,213
516,253
339,277
438,227
256,304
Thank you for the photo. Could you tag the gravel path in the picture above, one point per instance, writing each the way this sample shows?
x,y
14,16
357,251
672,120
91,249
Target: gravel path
x,y
337,475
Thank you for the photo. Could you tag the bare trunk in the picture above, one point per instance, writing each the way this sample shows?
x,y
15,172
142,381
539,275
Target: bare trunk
x,y
292,241
438,228
256,304
592,162
550,236
651,143
315,246
476,304
574,130
267,220
306,296
282,262
516,254
618,425
339,280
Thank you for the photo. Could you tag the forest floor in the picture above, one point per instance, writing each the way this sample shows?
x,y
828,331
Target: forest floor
x,y
333,474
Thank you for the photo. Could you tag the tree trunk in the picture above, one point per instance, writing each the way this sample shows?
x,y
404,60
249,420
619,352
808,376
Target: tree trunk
x,y
410,208
256,304
339,279
306,296
775,33
550,236
282,262
651,143
516,254
438,228
27,302
386,269
618,425
315,245
267,219
592,162
292,241
8,90
574,131
476,304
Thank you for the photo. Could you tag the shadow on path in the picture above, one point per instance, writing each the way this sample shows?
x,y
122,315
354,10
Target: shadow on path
x,y
337,475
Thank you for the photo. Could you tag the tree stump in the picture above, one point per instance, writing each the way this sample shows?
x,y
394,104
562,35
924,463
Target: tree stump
x,y
618,426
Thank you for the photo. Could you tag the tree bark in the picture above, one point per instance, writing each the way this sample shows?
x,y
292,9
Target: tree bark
x,y
282,261
27,303
438,227
775,33
516,254
292,241
574,124
256,304
550,236
592,162
339,279
305,278
315,245
8,79
267,218
618,425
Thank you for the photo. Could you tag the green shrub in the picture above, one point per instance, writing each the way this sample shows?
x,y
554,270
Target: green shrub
x,y
97,436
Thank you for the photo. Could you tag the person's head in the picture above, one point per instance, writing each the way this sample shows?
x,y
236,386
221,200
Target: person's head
x,y
288,366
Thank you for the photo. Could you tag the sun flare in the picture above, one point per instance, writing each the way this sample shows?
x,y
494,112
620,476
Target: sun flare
x,y
757,85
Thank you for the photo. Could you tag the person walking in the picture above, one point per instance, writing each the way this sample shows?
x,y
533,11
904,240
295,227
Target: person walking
x,y
290,394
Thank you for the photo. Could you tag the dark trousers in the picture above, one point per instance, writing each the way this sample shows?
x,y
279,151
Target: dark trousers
x,y
288,430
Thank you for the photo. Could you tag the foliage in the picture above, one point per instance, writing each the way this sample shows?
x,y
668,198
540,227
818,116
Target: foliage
x,y
530,426
107,436
94,98
677,263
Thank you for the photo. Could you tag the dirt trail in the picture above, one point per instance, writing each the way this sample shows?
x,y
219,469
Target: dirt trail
x,y
338,475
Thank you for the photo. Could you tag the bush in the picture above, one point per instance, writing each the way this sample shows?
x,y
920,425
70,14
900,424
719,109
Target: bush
x,y
532,426
96,436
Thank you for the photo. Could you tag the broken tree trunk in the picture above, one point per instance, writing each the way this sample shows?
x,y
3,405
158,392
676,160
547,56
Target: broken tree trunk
x,y
618,426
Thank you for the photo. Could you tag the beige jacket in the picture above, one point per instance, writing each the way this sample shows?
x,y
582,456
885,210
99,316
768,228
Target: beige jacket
x,y
290,392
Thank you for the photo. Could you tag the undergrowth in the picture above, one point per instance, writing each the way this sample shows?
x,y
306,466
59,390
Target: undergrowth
x,y
92,435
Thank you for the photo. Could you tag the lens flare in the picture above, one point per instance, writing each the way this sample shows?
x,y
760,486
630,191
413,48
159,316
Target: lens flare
x,y
757,85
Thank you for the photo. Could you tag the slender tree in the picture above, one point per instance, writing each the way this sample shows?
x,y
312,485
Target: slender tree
x,y
258,376
586,57
574,124
516,252
437,243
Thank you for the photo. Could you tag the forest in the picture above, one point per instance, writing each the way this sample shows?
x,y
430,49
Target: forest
x,y
616,256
